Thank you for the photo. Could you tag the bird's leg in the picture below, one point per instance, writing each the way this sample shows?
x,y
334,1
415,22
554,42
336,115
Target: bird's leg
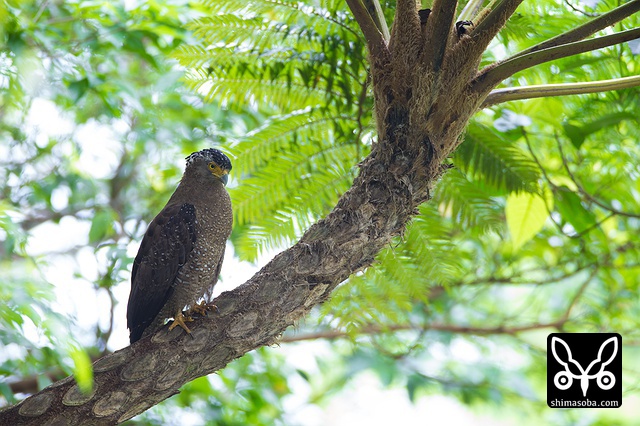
x,y
200,308
179,320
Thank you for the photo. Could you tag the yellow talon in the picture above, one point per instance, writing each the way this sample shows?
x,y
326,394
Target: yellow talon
x,y
179,320
200,308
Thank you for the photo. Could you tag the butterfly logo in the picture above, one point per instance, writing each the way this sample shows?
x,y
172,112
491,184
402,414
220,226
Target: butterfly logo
x,y
564,379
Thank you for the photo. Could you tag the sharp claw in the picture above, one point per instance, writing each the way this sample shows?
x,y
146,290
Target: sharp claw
x,y
211,307
200,308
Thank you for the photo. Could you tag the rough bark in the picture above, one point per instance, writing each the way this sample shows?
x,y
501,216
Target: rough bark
x,y
421,108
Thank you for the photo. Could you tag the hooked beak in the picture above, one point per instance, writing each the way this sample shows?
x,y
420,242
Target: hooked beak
x,y
224,178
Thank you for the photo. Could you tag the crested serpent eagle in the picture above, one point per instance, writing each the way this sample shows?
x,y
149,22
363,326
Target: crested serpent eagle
x,y
181,253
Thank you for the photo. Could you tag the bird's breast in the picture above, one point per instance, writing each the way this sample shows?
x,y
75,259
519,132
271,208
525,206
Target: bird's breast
x,y
214,221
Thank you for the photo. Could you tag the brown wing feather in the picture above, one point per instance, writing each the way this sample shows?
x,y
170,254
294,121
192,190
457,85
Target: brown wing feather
x,y
164,249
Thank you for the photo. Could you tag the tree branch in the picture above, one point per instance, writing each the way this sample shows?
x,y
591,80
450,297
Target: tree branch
x,y
492,75
587,29
39,217
465,55
449,328
405,43
439,27
374,38
582,12
499,96
397,176
375,11
470,10
485,30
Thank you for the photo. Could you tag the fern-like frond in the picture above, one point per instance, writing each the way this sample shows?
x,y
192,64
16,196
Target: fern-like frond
x,y
278,202
486,154
283,180
430,247
469,202
219,58
426,257
292,170
252,34
240,93
304,66
278,53
327,16
282,136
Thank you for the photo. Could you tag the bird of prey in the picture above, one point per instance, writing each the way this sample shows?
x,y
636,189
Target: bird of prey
x,y
181,253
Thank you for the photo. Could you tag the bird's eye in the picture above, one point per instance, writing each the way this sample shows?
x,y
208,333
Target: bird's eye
x,y
212,166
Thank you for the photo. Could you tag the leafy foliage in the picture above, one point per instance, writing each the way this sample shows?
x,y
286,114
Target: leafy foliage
x,y
306,66
493,158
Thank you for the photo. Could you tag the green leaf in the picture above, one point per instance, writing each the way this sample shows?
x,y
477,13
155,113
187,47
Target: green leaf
x,y
82,369
574,133
494,158
5,391
469,202
526,215
414,383
101,226
578,133
571,209
78,88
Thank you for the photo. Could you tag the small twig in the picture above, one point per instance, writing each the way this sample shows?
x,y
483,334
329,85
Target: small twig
x,y
578,295
555,187
104,337
575,9
449,328
39,217
584,192
592,227
525,135
511,280
41,9
417,342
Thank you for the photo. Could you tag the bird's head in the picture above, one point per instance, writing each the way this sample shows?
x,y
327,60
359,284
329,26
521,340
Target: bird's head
x,y
210,162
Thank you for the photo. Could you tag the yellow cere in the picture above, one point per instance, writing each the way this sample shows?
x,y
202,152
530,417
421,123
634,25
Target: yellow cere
x,y
216,170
